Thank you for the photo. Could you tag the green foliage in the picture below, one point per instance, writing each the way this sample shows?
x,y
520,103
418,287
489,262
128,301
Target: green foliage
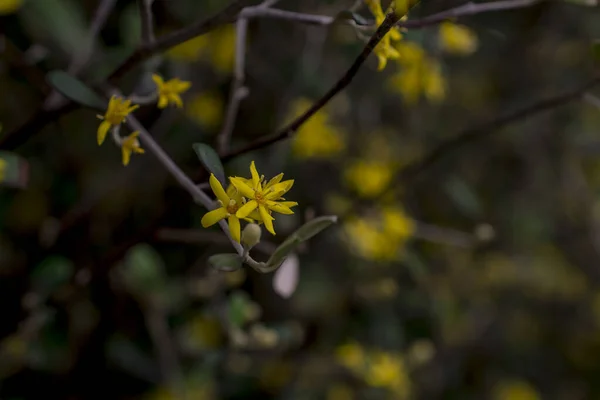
x,y
144,269
51,274
75,90
15,170
211,161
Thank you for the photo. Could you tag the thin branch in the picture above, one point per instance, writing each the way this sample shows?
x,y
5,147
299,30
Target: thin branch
x,y
487,128
180,176
145,7
466,10
262,12
340,85
238,90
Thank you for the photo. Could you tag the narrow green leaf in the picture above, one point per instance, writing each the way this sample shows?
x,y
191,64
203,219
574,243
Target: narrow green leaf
x,y
226,262
51,273
14,170
302,234
144,269
211,160
238,303
75,90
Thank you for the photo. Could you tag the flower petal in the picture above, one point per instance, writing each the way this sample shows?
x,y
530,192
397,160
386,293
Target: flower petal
x,y
234,228
255,176
246,209
102,131
267,219
279,208
214,216
282,186
218,190
158,80
274,180
126,153
242,187
163,101
289,204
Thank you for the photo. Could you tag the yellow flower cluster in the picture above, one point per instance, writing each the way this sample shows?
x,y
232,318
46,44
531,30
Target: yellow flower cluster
x,y
118,109
380,237
377,368
316,138
253,200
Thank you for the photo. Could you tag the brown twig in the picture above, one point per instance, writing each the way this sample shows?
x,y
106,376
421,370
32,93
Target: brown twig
x,y
145,7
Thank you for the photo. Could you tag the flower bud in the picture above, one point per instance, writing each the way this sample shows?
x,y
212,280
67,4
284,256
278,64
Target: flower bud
x,y
251,235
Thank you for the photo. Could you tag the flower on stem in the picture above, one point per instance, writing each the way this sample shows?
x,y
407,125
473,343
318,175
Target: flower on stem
x,y
129,145
118,109
457,39
384,50
229,203
169,92
263,196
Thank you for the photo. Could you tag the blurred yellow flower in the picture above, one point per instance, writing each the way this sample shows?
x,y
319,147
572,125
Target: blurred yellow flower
x,y
340,391
410,53
169,92
457,39
2,169
130,144
351,355
10,6
206,109
421,78
401,7
217,47
118,109
316,138
369,178
514,390
380,237
388,371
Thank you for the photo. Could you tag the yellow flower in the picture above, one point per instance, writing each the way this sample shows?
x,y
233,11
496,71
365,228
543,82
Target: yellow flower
x,y
401,7
514,390
420,78
457,39
130,144
369,178
118,109
2,169
316,138
263,196
384,49
206,109
351,356
410,53
189,50
388,371
9,6
170,91
229,204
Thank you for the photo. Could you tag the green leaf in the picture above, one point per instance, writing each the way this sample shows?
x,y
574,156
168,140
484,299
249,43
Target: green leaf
x,y
51,273
211,160
60,23
238,304
75,90
144,269
226,262
463,197
302,234
14,170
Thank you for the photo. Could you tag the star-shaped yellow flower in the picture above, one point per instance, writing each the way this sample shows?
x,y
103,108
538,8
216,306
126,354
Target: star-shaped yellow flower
x,y
230,202
263,196
118,109
384,49
130,144
170,91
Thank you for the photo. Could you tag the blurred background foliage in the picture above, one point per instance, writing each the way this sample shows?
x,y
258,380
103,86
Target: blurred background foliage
x,y
476,278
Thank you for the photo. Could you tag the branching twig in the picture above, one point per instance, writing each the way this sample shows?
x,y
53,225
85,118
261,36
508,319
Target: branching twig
x,y
198,195
145,7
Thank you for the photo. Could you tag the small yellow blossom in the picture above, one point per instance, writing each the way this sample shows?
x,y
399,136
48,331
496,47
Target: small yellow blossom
x,y
10,6
229,204
369,178
384,50
263,196
379,237
401,7
388,371
423,78
411,53
189,50
351,355
2,169
514,390
118,109
206,109
317,137
169,92
457,39
130,144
